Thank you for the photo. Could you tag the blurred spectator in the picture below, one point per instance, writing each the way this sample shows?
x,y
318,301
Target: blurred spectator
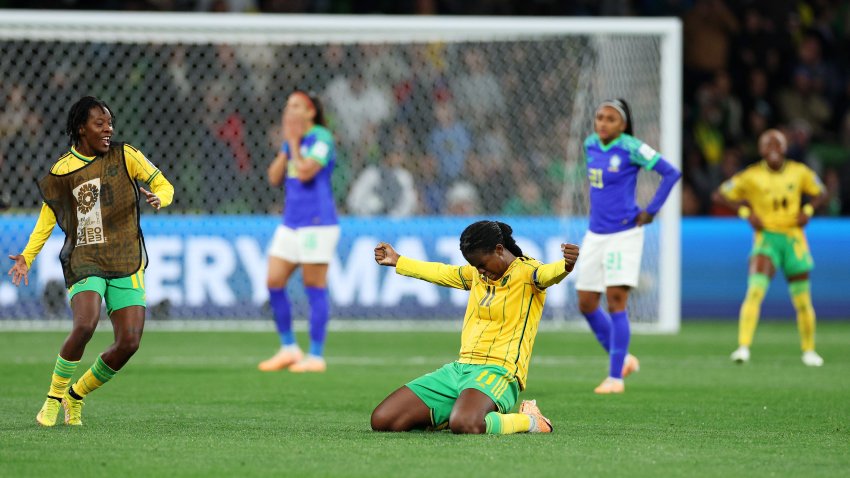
x,y
729,105
449,141
832,181
14,112
386,189
360,107
462,199
707,30
708,132
431,188
527,200
730,165
757,100
479,94
802,101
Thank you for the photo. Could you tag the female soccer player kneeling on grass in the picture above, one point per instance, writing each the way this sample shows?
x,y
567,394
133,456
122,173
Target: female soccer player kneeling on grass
x,y
506,294
612,248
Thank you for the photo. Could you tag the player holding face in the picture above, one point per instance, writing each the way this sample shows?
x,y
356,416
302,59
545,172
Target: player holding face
x,y
506,294
769,195
309,232
612,248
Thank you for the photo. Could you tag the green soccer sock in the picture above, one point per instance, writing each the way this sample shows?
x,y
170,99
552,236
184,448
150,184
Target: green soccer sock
x,y
94,378
62,372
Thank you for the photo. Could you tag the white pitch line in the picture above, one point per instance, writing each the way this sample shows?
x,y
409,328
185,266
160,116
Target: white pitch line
x,y
388,361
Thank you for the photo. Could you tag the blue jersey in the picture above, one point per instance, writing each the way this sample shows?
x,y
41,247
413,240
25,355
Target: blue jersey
x,y
311,203
612,170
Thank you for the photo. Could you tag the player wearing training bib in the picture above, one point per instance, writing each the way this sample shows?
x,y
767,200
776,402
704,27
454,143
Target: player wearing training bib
x,y
309,233
769,195
92,193
612,248
507,291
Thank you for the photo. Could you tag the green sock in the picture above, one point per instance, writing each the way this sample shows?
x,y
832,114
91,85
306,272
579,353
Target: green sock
x,y
62,372
97,375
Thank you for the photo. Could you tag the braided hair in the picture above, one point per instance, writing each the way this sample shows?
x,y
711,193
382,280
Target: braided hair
x,y
484,236
79,115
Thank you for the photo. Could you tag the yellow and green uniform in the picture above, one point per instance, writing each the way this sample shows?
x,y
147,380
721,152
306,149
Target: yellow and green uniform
x,y
776,198
499,328
120,292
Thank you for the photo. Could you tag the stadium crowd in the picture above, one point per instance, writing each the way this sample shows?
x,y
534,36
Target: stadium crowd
x,y
428,129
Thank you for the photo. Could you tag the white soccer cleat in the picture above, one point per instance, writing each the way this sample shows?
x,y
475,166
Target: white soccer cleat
x,y
812,359
741,354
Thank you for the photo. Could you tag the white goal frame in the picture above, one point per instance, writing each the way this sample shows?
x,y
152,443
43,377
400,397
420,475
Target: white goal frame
x,y
191,28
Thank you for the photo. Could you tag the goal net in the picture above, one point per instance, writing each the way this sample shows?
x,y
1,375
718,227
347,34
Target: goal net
x,y
437,122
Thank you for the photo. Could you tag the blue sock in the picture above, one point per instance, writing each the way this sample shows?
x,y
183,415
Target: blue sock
x,y
319,315
621,333
600,324
282,311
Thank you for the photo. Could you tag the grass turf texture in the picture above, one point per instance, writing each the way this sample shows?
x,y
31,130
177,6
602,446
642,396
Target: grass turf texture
x,y
193,404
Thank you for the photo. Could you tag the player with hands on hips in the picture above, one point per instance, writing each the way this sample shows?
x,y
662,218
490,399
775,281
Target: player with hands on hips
x,y
613,245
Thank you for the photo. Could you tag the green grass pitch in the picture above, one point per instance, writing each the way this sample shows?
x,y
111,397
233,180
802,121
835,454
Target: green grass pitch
x,y
193,404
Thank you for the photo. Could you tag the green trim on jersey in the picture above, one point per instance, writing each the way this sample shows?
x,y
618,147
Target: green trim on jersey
x,y
81,157
321,149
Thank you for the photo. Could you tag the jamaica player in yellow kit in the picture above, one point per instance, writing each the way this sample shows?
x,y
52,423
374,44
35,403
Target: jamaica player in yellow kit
x,y
91,192
769,194
506,294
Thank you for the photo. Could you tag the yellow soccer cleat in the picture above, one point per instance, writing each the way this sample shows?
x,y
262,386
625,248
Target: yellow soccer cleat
x,y
310,363
49,411
631,365
539,423
284,358
73,410
609,386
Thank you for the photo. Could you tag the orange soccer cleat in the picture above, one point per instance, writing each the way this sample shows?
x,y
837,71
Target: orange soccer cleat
x,y
610,385
539,423
310,363
284,358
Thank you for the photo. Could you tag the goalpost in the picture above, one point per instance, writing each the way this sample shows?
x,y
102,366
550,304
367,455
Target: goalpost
x,y
489,114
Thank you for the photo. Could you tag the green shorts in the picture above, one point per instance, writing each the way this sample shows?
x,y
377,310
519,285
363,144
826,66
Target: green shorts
x,y
440,388
788,252
119,293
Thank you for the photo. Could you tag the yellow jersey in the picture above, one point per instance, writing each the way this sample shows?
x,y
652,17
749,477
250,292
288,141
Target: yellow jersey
x,y
139,167
502,316
774,196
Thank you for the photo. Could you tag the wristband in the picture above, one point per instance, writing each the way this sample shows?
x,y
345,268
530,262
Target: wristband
x,y
808,210
744,212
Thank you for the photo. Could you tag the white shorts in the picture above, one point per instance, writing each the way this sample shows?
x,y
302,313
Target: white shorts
x,y
305,245
606,260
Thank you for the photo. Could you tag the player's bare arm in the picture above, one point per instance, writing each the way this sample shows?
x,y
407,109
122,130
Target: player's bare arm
x,y
277,169
644,218
385,255
20,270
